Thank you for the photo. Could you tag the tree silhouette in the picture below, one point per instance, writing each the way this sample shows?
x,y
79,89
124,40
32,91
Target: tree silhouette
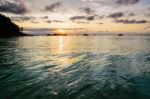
x,y
21,29
8,28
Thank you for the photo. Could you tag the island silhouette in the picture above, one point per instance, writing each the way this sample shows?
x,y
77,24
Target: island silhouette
x,y
8,28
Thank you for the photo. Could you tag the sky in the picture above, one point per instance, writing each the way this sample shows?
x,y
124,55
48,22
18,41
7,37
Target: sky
x,y
80,15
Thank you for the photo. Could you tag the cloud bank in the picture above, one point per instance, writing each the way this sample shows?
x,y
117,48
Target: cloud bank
x,y
13,7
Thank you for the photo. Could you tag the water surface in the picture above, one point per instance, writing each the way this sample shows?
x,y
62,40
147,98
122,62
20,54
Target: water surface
x,y
75,67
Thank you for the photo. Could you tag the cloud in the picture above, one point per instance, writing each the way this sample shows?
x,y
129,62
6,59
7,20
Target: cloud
x,y
148,15
23,18
35,21
90,18
98,17
147,27
48,21
58,21
131,14
100,23
87,10
113,2
127,2
77,17
44,17
131,21
53,7
82,22
13,7
87,18
55,21
116,15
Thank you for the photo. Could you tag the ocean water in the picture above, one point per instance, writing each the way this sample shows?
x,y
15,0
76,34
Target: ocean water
x,y
75,67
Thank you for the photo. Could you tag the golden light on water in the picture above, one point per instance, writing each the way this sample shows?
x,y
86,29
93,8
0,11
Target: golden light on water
x,y
60,44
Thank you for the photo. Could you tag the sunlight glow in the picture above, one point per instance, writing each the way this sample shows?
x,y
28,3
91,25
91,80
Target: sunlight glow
x,y
60,31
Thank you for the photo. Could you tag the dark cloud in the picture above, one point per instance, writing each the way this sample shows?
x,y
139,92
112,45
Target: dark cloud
x,y
82,22
48,21
147,26
58,21
131,21
51,21
35,21
87,18
23,18
100,23
148,15
13,7
113,2
44,17
77,17
87,10
98,17
90,18
127,2
131,14
121,14
116,15
53,6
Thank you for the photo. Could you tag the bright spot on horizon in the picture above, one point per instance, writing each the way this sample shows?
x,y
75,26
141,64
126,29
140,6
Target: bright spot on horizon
x,y
60,31
95,16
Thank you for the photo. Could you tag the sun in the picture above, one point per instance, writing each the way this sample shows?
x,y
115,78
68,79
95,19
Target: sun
x,y
60,31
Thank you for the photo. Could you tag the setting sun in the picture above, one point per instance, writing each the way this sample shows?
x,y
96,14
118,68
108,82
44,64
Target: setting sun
x,y
60,31
75,49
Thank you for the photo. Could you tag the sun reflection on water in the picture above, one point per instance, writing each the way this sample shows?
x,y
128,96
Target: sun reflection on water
x,y
60,45
80,64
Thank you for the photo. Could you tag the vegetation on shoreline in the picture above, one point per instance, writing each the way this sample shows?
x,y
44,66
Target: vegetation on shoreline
x,y
8,28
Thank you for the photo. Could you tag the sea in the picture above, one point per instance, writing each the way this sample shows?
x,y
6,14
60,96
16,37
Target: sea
x,y
75,67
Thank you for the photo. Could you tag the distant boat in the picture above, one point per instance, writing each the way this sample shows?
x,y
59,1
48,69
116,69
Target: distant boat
x,y
120,34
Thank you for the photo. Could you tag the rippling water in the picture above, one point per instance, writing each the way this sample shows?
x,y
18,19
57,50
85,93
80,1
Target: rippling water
x,y
74,67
